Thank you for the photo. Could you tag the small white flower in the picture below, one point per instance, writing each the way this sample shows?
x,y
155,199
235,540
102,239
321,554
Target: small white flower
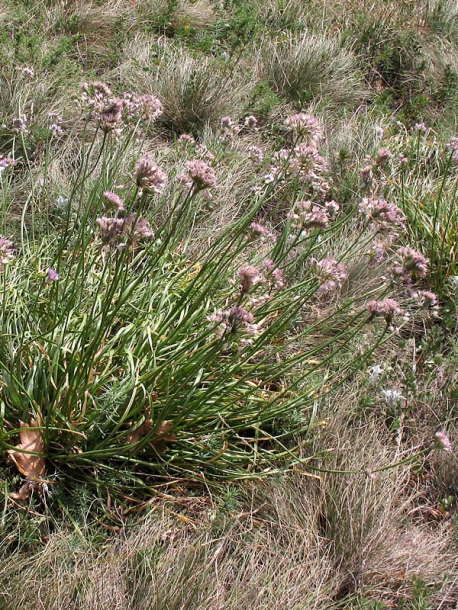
x,y
375,372
61,202
392,397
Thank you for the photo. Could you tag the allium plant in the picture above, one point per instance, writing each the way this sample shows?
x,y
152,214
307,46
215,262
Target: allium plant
x,y
421,179
135,357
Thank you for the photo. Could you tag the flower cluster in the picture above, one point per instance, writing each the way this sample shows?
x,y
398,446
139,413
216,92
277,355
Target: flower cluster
x,y
274,274
199,175
6,252
56,123
258,230
387,309
386,216
19,124
25,71
331,275
308,215
112,114
114,201
52,275
304,163
149,177
427,299
366,174
234,320
186,140
249,277
229,129
410,264
6,162
307,163
420,127
307,127
442,442
256,155
123,232
382,156
251,122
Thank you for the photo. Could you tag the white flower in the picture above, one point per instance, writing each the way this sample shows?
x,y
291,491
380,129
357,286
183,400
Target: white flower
x,y
375,372
392,397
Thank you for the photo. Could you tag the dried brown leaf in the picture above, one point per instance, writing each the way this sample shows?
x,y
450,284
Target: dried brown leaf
x,y
23,492
162,433
30,466
142,429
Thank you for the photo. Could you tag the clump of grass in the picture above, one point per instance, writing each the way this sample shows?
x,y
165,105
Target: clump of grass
x,y
125,347
311,67
193,15
441,17
422,180
193,90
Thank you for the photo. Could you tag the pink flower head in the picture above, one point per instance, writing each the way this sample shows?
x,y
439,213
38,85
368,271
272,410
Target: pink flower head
x,y
428,299
332,208
114,201
109,118
387,309
366,174
309,216
233,320
185,139
385,215
199,175
307,126
19,124
331,274
317,219
53,276
442,442
249,277
106,111
260,231
120,232
26,71
256,155
275,273
149,177
382,156
150,107
229,129
6,252
239,314
111,230
251,122
420,127
411,263
6,162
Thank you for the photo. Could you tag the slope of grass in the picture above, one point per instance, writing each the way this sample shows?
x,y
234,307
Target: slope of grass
x,y
206,399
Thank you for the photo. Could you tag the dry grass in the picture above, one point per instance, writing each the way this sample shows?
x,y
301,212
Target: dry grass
x,y
292,543
193,90
311,67
196,15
